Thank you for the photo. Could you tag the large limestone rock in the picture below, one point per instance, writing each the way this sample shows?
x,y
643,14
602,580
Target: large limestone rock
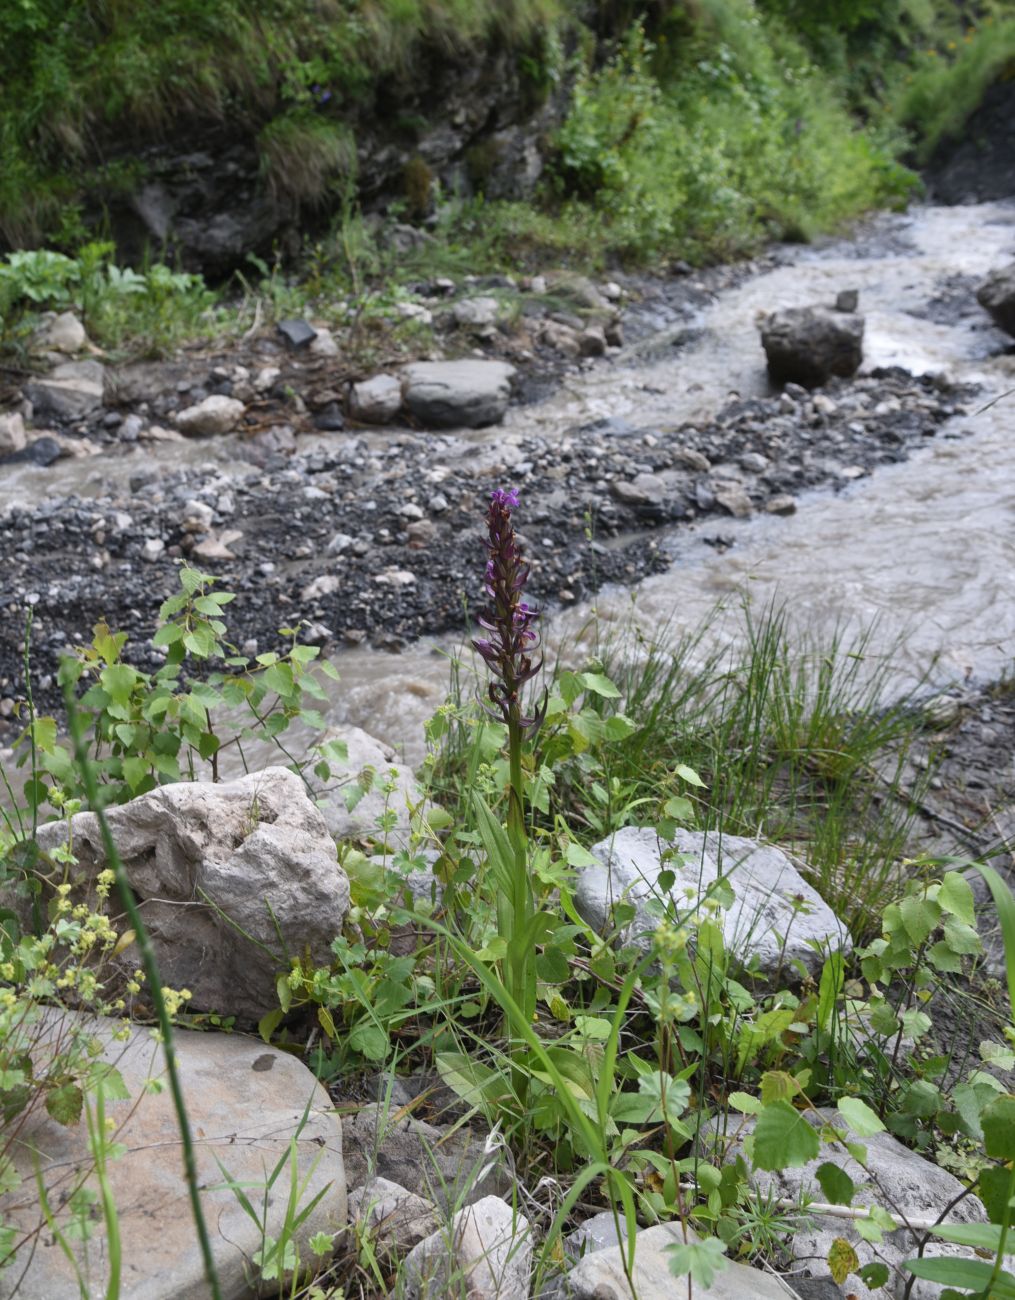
x,y
896,1178
996,295
215,415
61,333
486,1254
71,391
807,345
453,394
245,1103
601,1273
366,755
776,915
397,1218
232,879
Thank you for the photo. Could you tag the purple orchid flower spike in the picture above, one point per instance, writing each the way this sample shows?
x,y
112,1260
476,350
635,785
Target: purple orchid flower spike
x,y
508,618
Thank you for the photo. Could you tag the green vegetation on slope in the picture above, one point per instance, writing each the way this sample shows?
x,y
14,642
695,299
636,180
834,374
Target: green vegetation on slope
x,y
694,130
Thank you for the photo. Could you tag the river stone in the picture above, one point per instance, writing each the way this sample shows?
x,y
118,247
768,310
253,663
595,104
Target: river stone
x,y
12,433
485,1255
376,400
895,1177
364,752
71,391
211,864
61,333
452,394
215,415
996,295
395,1216
449,1167
600,1275
476,313
245,1102
808,345
776,915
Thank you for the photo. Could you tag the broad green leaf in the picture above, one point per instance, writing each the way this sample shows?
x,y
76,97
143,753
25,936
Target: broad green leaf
x,y
783,1138
998,1123
874,1274
704,1260
859,1116
981,1236
599,685
689,775
919,918
369,1040
777,1085
997,1054
956,896
745,1103
836,1185
973,1274
578,856
963,939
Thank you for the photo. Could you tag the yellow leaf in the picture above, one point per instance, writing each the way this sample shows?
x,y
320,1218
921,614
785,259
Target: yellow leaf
x,y
842,1260
124,941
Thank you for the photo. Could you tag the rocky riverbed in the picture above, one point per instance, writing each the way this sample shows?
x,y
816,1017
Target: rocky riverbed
x,y
375,535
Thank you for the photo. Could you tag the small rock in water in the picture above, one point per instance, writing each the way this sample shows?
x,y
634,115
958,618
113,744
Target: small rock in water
x,y
808,345
733,497
783,504
297,333
847,300
996,295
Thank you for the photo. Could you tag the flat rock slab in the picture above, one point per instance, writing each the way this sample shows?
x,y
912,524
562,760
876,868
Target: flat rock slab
x,y
232,879
775,915
457,394
601,1275
245,1102
895,1177
71,391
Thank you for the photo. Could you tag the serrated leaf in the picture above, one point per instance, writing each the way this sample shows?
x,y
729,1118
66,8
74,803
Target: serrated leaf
x,y
369,1040
859,1116
64,1103
842,1260
745,1103
836,1185
956,896
783,1138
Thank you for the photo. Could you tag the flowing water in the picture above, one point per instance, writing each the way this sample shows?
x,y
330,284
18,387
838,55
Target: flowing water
x,y
924,549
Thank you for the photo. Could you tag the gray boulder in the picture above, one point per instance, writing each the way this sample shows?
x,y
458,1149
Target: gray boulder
x,y
896,1178
71,391
808,345
61,333
369,765
476,313
396,1217
601,1273
453,394
376,400
775,917
245,1101
996,295
217,414
232,879
485,1254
